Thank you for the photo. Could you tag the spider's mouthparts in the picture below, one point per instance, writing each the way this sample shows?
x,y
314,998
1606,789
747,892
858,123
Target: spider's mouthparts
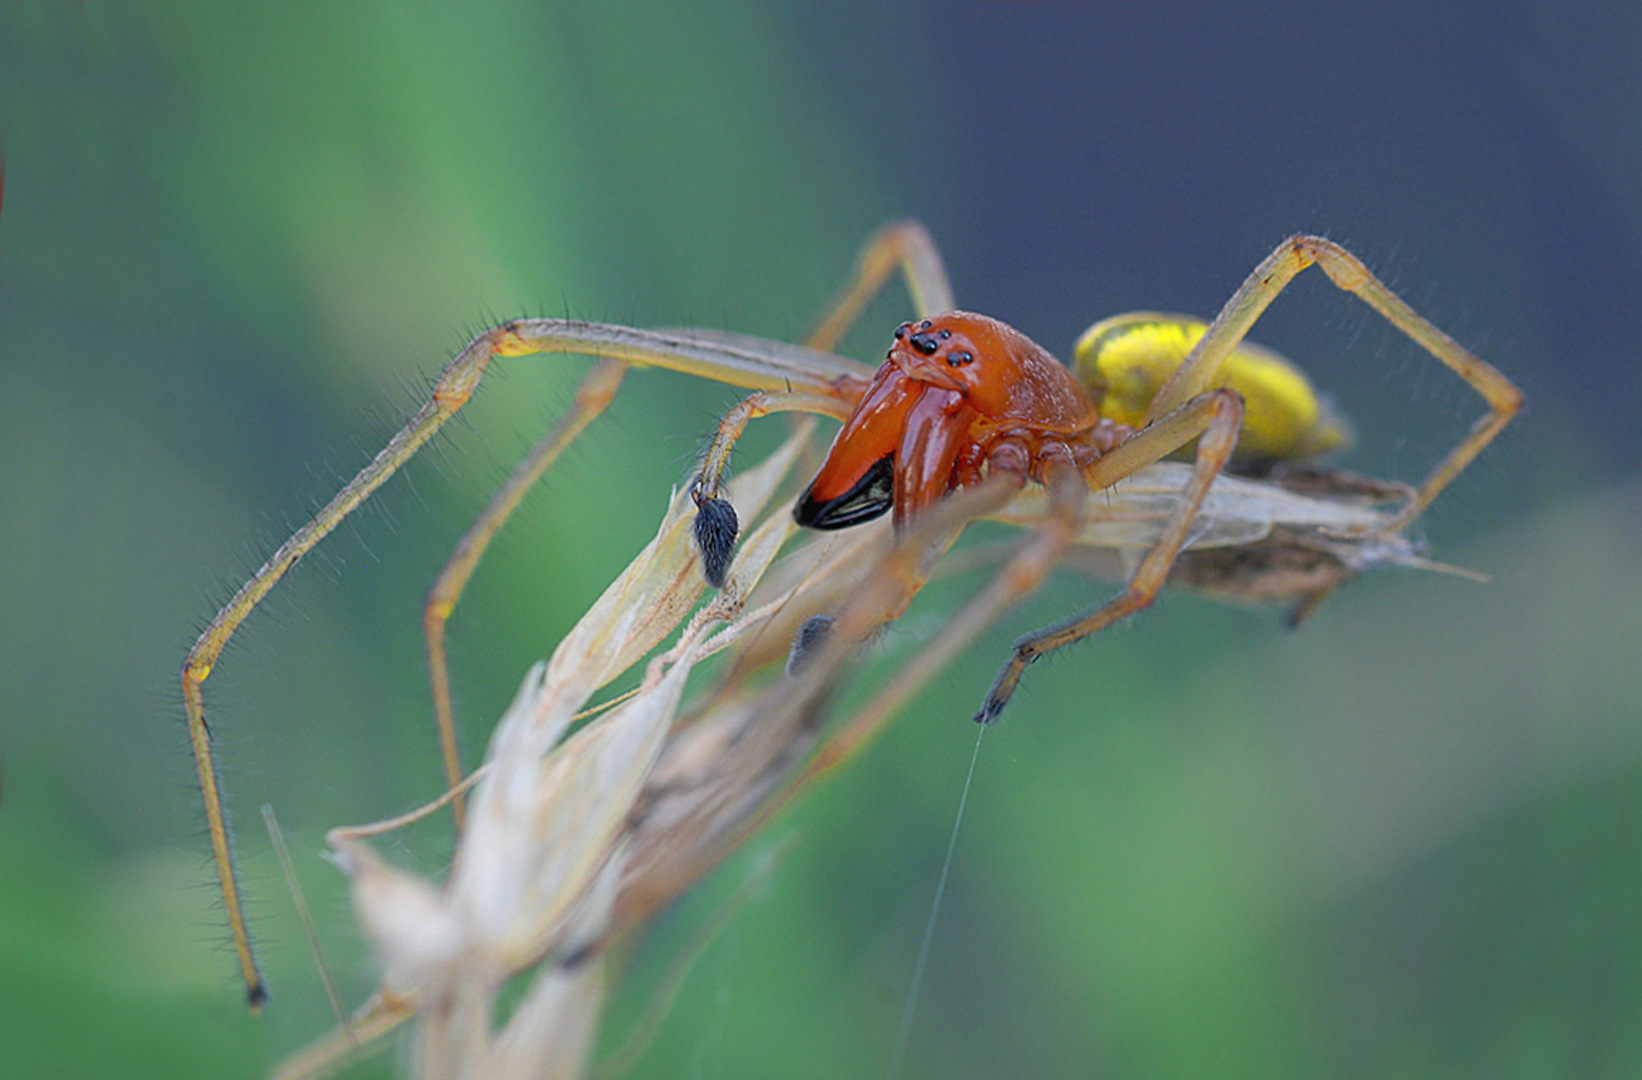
x,y
869,497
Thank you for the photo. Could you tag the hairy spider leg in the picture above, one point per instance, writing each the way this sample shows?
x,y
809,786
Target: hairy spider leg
x,y
724,358
1345,270
1213,419
598,387
1204,366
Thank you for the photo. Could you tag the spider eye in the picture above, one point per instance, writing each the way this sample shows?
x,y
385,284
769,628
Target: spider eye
x,y
960,358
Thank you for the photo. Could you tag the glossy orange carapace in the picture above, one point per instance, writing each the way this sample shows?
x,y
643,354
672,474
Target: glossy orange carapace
x,y
958,391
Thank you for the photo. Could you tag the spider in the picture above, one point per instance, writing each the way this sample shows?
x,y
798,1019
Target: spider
x,y
962,401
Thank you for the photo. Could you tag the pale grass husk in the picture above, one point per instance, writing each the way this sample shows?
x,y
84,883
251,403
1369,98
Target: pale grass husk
x,y
571,840
542,871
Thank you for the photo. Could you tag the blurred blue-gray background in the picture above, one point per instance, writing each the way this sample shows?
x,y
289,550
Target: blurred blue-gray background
x,y
1406,840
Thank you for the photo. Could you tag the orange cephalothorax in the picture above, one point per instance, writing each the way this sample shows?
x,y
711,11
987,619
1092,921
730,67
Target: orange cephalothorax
x,y
953,387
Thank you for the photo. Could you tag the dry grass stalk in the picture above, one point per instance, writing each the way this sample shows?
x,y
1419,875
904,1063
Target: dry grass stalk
x,y
540,868
572,840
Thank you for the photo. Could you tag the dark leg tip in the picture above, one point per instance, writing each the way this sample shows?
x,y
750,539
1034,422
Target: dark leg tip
x,y
810,637
578,956
256,996
989,712
1003,688
1307,606
716,529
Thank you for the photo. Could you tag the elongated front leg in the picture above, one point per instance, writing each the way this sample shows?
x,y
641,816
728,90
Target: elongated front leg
x,y
1203,367
1213,419
739,362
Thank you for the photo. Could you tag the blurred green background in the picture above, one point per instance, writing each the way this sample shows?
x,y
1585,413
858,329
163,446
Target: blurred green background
x,y
1405,841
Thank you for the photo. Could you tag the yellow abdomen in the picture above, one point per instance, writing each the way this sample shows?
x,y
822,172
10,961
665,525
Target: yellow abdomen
x,y
1124,361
